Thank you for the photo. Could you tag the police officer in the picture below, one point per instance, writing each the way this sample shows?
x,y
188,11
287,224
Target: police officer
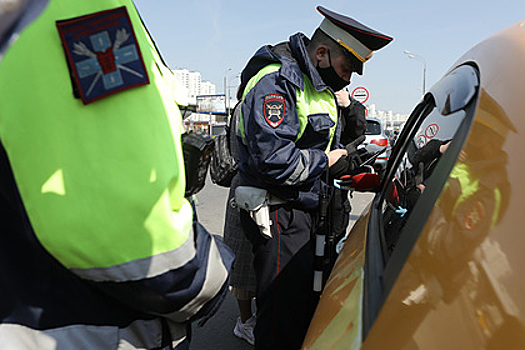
x,y
288,136
98,247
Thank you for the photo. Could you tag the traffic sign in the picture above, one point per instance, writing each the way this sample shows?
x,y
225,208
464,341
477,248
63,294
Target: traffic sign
x,y
360,94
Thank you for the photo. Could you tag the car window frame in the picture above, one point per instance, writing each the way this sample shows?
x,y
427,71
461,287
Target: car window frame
x,y
381,269
374,257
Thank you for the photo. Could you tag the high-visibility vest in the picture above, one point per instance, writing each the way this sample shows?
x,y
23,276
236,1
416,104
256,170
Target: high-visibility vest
x,y
91,170
101,179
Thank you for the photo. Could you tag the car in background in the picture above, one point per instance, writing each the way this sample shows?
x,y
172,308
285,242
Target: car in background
x,y
435,260
392,135
376,140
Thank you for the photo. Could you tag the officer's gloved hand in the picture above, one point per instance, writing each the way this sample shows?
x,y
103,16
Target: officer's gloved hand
x,y
339,168
354,155
346,165
354,162
349,163
363,169
352,146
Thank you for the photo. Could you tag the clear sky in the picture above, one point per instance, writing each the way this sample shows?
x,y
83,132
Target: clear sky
x,y
217,37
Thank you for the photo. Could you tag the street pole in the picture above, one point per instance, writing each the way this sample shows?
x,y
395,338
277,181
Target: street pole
x,y
424,75
225,90
228,89
421,59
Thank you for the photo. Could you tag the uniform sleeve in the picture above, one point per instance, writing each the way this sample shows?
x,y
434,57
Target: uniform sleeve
x,y
354,121
271,128
102,208
188,288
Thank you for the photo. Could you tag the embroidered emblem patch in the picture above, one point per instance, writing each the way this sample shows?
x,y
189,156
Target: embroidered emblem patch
x,y
103,53
274,109
475,215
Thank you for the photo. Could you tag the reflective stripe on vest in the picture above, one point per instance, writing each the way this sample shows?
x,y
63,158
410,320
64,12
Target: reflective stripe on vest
x,y
142,334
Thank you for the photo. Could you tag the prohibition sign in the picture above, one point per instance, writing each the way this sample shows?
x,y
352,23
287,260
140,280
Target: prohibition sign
x,y
431,130
361,94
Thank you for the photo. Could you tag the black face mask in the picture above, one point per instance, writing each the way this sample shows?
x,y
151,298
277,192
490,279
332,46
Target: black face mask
x,y
330,76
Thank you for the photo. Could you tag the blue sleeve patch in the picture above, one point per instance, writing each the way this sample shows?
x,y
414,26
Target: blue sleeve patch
x,y
103,53
274,109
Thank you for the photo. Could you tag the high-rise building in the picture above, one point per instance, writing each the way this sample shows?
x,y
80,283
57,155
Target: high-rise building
x,y
207,88
194,84
388,118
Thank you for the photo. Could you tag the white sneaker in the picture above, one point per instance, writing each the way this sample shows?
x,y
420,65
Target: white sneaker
x,y
245,330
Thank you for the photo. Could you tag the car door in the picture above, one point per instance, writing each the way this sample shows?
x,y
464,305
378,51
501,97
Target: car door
x,y
383,237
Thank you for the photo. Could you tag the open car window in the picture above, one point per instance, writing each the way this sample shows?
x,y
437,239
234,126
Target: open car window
x,y
419,166
422,148
411,178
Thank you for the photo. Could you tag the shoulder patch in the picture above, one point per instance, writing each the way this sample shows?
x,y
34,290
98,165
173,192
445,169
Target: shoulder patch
x,y
274,109
102,53
475,216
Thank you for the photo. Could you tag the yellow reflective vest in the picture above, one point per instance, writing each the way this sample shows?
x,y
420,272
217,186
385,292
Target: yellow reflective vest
x,y
92,178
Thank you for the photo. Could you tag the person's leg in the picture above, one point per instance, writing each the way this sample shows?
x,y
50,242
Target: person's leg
x,y
296,299
245,309
242,277
246,320
244,299
284,269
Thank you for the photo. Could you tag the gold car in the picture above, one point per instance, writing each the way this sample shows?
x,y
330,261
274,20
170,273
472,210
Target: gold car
x,y
434,261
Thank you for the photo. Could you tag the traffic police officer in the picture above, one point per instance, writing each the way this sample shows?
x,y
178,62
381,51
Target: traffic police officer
x,y
98,248
288,136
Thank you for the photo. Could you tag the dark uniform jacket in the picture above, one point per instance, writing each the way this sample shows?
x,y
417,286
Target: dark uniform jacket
x,y
289,122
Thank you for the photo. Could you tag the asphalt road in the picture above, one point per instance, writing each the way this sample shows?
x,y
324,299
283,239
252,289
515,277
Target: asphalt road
x,y
217,333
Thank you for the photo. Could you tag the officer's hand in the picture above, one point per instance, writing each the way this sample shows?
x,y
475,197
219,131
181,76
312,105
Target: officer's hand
x,y
333,156
352,146
443,148
354,162
339,168
343,98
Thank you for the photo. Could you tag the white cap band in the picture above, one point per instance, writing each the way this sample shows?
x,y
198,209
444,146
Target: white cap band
x,y
345,39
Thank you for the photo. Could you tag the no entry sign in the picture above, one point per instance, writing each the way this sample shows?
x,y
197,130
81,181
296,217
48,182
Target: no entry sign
x,y
360,94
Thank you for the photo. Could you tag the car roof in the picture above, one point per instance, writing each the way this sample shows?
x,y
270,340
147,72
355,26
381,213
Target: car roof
x,y
374,119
